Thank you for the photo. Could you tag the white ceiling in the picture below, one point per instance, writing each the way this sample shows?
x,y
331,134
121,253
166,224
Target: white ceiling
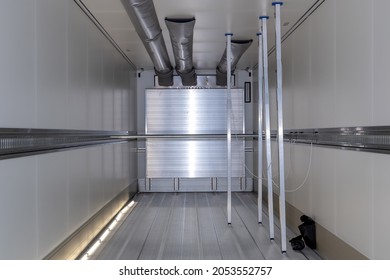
x,y
213,19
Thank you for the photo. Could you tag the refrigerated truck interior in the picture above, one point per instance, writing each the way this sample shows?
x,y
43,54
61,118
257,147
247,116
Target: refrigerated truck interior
x,y
141,129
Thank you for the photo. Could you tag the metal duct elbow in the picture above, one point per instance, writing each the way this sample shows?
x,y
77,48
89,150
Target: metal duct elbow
x,y
238,49
181,31
144,18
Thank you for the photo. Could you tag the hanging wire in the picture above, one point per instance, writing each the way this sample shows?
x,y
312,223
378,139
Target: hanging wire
x,y
306,177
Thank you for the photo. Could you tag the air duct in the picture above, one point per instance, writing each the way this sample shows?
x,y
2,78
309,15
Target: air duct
x,y
181,31
144,18
238,49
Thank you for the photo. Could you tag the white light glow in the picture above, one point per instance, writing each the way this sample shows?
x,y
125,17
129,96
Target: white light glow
x,y
107,232
119,216
113,225
93,248
104,235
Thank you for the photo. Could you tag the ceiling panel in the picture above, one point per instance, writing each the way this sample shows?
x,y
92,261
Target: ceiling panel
x,y
213,19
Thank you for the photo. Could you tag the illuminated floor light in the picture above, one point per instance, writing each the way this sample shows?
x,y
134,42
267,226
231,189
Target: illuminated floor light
x,y
104,235
107,232
93,248
112,225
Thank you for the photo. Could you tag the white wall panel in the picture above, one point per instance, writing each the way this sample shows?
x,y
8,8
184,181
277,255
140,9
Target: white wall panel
x,y
78,188
118,167
296,170
17,57
322,68
77,69
335,73
380,224
145,81
52,63
96,179
108,89
301,75
58,71
323,184
117,106
354,198
381,62
18,240
52,201
95,88
353,63
132,112
381,116
108,172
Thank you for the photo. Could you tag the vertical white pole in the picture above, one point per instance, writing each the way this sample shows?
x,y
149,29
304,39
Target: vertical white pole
x,y
268,129
279,100
260,134
229,128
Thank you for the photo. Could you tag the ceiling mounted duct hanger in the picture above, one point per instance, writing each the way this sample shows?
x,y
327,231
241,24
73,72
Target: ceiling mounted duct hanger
x,y
238,48
181,31
144,18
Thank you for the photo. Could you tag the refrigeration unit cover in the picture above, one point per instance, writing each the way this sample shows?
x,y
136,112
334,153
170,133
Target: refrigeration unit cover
x,y
192,111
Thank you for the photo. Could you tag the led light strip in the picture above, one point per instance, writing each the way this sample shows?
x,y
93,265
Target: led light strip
x,y
92,249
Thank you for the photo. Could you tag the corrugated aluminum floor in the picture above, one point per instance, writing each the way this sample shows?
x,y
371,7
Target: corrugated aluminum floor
x,y
193,226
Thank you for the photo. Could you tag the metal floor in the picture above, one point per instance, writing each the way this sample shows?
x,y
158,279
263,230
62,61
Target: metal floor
x,y
193,226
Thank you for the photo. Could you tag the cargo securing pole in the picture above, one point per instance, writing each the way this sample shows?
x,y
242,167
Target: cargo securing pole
x,y
279,101
229,127
268,129
260,133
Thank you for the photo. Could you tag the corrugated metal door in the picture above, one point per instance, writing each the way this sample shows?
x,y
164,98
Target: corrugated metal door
x,y
192,164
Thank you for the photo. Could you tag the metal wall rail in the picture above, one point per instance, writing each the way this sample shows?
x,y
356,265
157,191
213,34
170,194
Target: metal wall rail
x,y
374,139
15,142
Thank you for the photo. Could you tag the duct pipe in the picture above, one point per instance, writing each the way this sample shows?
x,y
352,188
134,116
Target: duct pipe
x,y
238,47
144,18
181,31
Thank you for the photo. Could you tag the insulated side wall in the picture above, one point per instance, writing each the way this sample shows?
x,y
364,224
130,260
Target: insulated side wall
x,y
58,71
335,75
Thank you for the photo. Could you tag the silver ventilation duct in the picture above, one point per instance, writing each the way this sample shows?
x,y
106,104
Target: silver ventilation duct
x,y
144,18
238,49
181,31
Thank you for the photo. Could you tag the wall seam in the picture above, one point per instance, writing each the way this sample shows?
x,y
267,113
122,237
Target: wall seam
x,y
334,99
35,124
372,189
94,20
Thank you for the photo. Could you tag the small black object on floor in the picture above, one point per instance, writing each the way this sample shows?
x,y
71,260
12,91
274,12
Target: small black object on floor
x,y
308,234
